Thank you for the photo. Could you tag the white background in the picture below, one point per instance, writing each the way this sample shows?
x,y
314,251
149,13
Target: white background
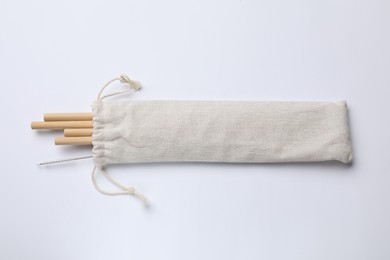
x,y
55,56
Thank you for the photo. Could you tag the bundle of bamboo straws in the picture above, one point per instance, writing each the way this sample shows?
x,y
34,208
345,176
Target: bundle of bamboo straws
x,y
77,127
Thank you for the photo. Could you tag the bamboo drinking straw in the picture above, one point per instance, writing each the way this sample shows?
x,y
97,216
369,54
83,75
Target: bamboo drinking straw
x,y
67,117
77,127
85,140
61,124
78,132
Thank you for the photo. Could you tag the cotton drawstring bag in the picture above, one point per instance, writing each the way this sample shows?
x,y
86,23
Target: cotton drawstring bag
x,y
214,131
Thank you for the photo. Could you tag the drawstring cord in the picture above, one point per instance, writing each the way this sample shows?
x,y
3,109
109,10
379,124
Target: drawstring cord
x,y
126,190
132,84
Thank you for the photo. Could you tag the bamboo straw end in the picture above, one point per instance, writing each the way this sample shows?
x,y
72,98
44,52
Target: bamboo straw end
x,y
36,125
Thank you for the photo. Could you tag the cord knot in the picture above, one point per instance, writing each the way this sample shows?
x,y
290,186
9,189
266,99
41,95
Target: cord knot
x,y
131,84
136,85
130,190
125,190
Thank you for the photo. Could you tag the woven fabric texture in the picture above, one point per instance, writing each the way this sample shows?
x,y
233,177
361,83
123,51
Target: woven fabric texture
x,y
220,131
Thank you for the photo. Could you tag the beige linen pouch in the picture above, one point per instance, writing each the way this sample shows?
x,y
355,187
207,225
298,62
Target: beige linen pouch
x,y
218,131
